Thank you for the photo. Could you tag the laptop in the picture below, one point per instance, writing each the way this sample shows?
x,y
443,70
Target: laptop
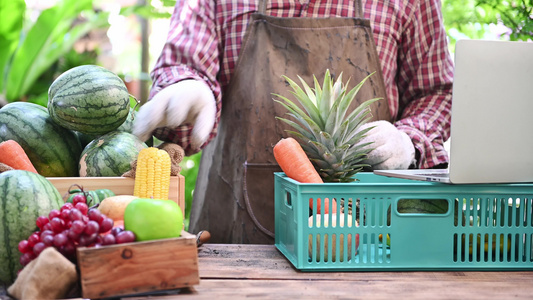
x,y
492,116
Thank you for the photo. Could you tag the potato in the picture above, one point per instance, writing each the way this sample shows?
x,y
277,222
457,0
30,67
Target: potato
x,y
114,206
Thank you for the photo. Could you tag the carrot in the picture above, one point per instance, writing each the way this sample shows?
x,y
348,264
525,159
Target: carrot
x,y
13,155
296,165
294,162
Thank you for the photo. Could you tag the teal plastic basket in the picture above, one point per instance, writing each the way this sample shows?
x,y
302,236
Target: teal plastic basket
x,y
468,227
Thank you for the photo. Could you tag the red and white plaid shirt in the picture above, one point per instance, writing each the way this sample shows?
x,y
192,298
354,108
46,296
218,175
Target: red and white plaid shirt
x,y
205,39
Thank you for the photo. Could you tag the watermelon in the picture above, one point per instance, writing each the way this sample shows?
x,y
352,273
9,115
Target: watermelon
x,y
110,154
127,126
53,150
89,99
24,196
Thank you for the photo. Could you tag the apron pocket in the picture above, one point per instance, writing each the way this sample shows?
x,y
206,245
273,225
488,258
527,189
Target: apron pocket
x,y
258,190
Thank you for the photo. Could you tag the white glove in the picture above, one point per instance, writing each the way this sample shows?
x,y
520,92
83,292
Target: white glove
x,y
393,149
186,102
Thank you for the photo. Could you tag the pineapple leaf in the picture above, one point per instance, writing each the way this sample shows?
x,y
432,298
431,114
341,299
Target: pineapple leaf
x,y
307,100
326,140
304,119
350,96
300,129
325,99
321,149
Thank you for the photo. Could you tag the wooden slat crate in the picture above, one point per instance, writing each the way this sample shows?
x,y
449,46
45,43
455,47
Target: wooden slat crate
x,y
119,186
140,267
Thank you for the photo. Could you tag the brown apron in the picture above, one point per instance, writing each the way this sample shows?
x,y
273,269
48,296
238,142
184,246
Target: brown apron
x,y
234,194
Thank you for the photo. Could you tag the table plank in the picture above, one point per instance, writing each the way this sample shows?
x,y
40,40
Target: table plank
x,y
217,261
262,272
370,289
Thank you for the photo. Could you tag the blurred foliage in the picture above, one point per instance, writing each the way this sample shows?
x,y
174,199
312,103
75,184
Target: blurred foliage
x,y
488,19
189,170
30,49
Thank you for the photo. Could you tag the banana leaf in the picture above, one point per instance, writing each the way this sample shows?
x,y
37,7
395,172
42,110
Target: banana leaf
x,y
51,36
12,16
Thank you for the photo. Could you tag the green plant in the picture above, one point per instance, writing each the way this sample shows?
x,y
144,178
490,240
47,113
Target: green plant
x,y
29,50
189,170
478,19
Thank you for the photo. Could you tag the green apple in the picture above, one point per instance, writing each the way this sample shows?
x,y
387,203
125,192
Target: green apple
x,y
152,219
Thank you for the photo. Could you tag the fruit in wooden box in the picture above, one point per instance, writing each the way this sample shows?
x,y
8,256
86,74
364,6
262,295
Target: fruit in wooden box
x,y
115,206
152,219
110,154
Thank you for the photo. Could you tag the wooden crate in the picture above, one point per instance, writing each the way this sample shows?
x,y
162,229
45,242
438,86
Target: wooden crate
x,y
119,186
140,267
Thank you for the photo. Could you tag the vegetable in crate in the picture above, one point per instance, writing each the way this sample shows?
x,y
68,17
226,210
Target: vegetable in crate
x,y
296,165
24,196
327,132
53,150
110,155
90,197
152,174
322,241
89,99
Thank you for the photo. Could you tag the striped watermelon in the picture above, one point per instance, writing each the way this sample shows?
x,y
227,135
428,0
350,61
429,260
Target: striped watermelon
x,y
110,154
53,150
89,99
24,196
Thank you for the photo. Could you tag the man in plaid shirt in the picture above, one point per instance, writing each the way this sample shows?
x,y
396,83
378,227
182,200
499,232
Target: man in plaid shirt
x,y
204,41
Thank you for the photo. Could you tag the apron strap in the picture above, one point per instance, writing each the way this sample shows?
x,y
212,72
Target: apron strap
x,y
358,8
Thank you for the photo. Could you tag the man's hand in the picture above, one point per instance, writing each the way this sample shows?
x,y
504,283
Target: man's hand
x,y
186,102
393,149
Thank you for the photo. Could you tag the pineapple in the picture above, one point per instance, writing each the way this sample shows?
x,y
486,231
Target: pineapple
x,y
327,132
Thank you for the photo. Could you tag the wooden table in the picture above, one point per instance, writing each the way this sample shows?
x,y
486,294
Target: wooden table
x,y
262,272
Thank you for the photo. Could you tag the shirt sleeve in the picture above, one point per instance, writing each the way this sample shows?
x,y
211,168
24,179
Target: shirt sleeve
x,y
425,84
190,52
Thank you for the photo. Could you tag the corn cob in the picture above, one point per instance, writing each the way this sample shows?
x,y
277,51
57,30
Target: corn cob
x,y
152,174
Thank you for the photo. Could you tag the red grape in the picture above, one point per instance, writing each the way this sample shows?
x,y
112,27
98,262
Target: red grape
x,y
47,226
26,258
95,215
91,227
54,213
48,240
106,225
57,224
87,240
108,239
75,214
65,213
82,207
67,205
116,230
60,239
125,236
34,239
69,250
38,248
79,198
41,221
77,227
24,246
